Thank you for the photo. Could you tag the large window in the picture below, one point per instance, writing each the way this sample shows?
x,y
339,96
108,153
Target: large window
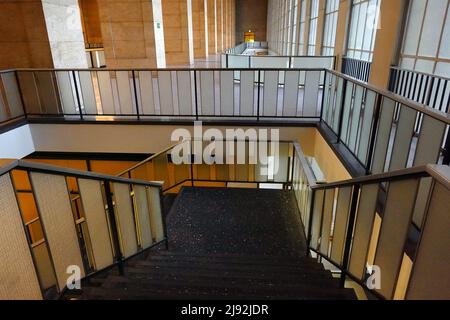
x,y
426,45
288,42
294,28
329,31
301,30
363,28
314,17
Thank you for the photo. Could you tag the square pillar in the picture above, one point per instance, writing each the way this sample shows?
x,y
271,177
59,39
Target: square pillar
x,y
199,21
177,38
128,33
24,41
65,33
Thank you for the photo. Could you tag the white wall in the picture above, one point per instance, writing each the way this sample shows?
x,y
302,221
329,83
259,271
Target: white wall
x,y
16,143
122,138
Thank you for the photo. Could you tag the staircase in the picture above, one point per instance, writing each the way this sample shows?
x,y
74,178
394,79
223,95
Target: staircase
x,y
172,275
224,244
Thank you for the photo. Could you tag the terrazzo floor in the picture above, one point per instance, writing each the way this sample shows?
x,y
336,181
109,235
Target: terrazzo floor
x,y
236,221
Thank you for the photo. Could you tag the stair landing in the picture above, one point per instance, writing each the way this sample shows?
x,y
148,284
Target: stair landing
x,y
236,221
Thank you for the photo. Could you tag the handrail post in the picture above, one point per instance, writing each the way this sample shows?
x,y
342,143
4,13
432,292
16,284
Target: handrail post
x,y
195,93
309,230
349,234
341,114
77,94
373,133
163,218
135,94
192,157
19,88
114,228
259,92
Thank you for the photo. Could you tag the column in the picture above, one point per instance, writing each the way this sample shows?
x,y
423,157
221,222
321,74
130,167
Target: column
x,y
343,25
128,33
320,27
24,42
220,46
212,31
176,32
65,33
233,23
199,25
388,41
90,19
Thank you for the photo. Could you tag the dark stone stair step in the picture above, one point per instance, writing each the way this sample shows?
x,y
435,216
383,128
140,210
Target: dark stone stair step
x,y
120,294
182,275
230,267
297,290
255,273
236,259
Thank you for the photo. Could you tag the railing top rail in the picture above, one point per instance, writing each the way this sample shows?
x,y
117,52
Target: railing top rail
x,y
7,70
51,169
149,158
436,114
94,49
306,167
420,72
439,172
161,69
279,56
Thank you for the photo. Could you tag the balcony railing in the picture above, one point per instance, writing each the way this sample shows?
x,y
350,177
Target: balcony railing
x,y
233,171
358,116
240,48
361,117
358,69
424,88
393,223
57,221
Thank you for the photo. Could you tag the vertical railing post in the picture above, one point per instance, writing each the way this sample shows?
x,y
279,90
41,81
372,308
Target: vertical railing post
x,y
323,94
196,94
77,94
341,114
373,133
349,234
430,90
392,75
446,153
163,218
309,230
19,88
259,98
114,228
135,94
192,158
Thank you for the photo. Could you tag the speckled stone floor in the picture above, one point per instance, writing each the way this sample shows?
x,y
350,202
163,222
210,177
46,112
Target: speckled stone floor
x,y
236,221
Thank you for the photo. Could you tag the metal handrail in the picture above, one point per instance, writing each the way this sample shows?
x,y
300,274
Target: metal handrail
x,y
52,169
150,158
436,114
397,98
420,72
438,172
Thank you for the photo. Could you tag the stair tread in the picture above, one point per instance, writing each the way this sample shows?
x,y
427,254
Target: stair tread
x,y
227,266
118,294
219,281
214,276
214,258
